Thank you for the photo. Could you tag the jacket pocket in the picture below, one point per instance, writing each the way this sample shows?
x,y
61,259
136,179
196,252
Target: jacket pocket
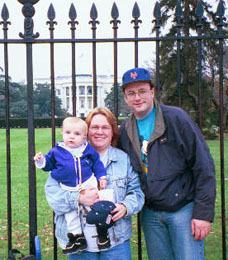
x,y
170,193
119,185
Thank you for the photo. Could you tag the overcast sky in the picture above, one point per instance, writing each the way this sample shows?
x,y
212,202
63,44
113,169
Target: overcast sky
x,y
83,30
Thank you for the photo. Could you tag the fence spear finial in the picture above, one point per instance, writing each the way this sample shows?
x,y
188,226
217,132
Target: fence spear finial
x,y
72,16
136,15
220,16
93,16
115,15
5,17
157,15
51,17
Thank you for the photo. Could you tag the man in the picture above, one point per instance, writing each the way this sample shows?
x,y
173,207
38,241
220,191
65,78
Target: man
x,y
176,170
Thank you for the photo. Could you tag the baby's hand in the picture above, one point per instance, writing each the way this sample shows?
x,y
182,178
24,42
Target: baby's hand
x,y
102,183
38,156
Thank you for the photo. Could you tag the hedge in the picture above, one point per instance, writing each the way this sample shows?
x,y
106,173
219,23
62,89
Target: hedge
x,y
23,122
38,122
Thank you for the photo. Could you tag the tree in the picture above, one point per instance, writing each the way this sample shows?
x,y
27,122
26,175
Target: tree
x,y
18,101
2,99
42,102
122,106
189,73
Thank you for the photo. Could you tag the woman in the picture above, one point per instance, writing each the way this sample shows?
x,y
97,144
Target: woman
x,y
128,197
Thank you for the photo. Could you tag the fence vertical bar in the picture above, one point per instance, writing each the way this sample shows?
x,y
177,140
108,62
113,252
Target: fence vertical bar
x,y
115,21
136,21
28,11
179,18
5,16
72,22
220,14
199,15
51,22
93,22
157,21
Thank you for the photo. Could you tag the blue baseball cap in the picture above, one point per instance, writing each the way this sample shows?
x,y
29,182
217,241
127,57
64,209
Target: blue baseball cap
x,y
134,75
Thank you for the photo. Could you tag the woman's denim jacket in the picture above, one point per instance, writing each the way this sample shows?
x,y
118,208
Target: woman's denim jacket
x,y
121,178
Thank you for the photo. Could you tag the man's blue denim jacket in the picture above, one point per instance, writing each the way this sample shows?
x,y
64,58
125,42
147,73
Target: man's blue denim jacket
x,y
121,178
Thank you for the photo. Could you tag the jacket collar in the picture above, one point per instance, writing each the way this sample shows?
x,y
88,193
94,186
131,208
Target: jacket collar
x,y
132,131
112,157
160,127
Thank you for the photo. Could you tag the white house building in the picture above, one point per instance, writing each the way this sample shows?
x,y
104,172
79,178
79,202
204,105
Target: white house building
x,y
84,91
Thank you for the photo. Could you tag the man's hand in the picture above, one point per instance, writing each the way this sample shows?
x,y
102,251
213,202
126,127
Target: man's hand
x,y
120,210
88,196
200,228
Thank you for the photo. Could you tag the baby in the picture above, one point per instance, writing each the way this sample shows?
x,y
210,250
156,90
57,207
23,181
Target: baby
x,y
75,164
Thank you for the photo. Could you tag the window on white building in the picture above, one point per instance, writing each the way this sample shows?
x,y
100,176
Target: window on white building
x,y
81,90
89,102
89,90
82,102
67,91
58,92
67,103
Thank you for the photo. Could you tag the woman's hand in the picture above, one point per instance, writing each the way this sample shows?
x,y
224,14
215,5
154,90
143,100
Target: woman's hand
x,y
88,196
119,211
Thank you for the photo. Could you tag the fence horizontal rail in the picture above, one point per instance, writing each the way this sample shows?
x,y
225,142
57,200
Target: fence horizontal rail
x,y
139,39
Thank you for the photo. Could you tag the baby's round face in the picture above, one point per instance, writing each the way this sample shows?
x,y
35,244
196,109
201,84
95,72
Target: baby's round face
x,y
74,134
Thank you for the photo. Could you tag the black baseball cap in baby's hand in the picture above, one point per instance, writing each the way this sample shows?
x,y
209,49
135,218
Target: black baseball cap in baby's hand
x,y
100,214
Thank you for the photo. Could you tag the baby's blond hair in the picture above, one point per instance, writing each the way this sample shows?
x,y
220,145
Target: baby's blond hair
x,y
76,120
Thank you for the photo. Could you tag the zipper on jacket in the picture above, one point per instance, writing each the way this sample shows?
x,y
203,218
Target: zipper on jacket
x,y
75,167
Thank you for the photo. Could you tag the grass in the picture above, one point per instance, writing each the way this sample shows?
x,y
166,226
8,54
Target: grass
x,y
20,200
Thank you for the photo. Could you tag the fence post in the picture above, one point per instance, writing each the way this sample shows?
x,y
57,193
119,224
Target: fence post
x,y
28,11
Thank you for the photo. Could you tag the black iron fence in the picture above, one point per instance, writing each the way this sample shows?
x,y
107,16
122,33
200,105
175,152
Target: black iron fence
x,y
28,39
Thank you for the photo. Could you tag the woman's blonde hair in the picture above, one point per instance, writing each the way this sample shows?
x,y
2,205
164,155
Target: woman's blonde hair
x,y
110,118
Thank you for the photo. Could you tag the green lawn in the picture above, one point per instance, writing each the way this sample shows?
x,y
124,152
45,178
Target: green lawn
x,y
19,180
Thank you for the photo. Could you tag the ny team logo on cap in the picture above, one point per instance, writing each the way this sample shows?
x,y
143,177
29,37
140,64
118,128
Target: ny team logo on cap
x,y
134,75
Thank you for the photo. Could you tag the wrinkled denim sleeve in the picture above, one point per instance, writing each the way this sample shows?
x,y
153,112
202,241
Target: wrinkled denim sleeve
x,y
135,198
61,201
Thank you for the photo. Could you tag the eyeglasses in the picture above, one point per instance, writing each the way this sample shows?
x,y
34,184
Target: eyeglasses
x,y
104,128
142,93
